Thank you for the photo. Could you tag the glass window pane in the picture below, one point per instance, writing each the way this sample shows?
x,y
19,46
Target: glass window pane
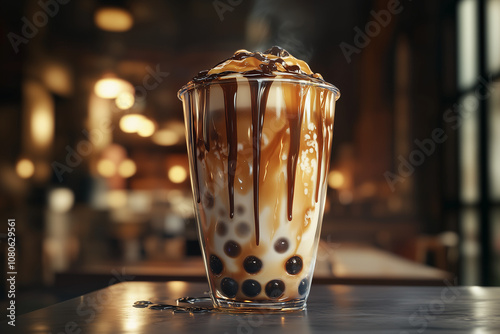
x,y
495,219
467,43
468,111
492,40
470,249
494,140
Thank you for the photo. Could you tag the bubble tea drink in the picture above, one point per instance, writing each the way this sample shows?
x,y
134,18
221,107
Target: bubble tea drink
x,y
259,131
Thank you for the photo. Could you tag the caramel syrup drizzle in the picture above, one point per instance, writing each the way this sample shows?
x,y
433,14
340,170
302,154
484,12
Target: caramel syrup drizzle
x,y
320,105
259,90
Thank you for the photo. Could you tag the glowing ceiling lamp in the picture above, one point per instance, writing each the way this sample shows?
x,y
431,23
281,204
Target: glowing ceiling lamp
x,y
127,168
146,128
125,100
166,137
335,179
177,174
110,88
25,168
106,167
113,19
131,123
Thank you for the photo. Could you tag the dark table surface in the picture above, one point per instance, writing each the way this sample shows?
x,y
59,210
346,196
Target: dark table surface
x,y
331,309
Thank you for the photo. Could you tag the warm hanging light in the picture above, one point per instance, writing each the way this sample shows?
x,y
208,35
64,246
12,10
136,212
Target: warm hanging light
x,y
25,168
127,168
106,167
39,116
177,174
61,200
165,137
335,179
113,19
131,123
110,88
125,100
147,128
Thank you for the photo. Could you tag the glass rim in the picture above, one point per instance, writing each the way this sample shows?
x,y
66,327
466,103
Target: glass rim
x,y
322,84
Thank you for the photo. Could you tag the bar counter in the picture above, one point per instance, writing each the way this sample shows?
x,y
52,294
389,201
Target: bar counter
x,y
331,309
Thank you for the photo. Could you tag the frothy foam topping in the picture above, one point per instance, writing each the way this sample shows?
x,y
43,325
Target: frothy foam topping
x,y
272,62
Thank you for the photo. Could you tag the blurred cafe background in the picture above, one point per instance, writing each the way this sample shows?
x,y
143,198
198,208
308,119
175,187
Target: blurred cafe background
x,y
93,162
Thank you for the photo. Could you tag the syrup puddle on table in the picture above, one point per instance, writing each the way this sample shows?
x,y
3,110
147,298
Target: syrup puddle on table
x,y
177,308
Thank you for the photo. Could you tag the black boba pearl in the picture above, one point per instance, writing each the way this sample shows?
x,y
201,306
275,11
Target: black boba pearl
x,y
229,287
294,265
275,288
242,230
251,288
252,264
303,286
232,248
240,209
208,200
216,265
221,228
281,245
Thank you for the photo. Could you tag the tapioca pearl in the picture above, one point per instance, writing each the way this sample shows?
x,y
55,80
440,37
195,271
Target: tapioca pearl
x,y
281,245
232,248
240,209
222,212
242,229
216,265
251,288
229,287
275,288
252,264
208,200
221,228
303,285
294,265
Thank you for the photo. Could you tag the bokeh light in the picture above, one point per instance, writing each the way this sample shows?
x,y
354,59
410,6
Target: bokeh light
x,y
131,123
165,137
110,88
25,168
127,168
113,19
125,100
146,128
106,168
335,179
177,174
61,200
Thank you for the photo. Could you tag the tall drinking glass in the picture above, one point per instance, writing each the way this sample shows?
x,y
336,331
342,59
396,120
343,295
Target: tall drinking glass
x,y
259,152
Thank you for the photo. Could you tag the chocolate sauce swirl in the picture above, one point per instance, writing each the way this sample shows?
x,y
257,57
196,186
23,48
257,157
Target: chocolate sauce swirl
x,y
259,91
270,63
